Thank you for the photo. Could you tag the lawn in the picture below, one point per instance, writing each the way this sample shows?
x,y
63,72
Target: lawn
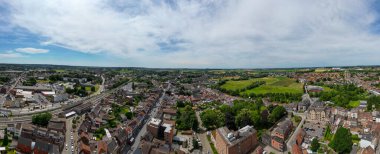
x,y
43,81
320,70
88,88
272,85
327,89
354,104
60,71
235,85
280,85
212,145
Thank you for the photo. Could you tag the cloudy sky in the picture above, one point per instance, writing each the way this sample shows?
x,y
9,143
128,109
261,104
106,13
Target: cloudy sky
x,y
191,33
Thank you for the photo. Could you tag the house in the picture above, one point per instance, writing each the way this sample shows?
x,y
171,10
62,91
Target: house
x,y
353,113
112,147
154,126
83,148
283,130
102,147
319,113
304,104
24,145
367,150
278,143
339,111
242,141
296,149
365,119
42,147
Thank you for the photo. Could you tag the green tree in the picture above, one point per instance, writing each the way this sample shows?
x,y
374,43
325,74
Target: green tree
x,y
187,119
93,89
212,119
41,119
342,141
5,140
315,145
243,118
277,113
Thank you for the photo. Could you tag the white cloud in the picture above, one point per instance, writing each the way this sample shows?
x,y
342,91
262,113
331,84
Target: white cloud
x,y
208,33
10,55
32,50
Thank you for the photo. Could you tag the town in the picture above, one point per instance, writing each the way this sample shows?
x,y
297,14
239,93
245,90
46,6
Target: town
x,y
61,109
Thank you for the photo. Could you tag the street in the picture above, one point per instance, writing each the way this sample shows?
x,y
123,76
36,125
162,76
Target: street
x,y
295,133
153,113
206,148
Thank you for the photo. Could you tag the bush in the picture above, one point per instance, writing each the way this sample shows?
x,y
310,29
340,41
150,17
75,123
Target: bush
x,y
42,119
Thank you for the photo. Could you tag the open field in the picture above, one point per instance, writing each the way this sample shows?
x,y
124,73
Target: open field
x,y
272,85
235,85
60,70
43,81
320,70
88,88
354,104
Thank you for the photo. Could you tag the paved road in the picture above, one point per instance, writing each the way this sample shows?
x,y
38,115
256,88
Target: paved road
x,y
69,142
206,148
292,138
153,113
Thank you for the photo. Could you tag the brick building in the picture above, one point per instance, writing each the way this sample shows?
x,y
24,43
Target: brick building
x,y
240,142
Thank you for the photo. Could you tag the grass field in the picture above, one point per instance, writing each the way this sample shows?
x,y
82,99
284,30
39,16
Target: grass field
x,y
281,85
43,81
320,70
272,85
327,89
235,85
88,88
354,104
60,71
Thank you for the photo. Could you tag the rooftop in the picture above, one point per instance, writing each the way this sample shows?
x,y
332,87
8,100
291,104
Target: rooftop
x,y
233,138
155,122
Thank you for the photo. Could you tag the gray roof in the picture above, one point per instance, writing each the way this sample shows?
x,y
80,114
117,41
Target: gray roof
x,y
47,147
24,141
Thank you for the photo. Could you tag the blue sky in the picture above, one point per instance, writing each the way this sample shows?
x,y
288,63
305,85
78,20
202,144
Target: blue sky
x,y
190,33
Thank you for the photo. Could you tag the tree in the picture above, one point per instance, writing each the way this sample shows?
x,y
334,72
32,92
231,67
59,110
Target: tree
x,y
212,119
230,120
243,118
5,140
41,119
93,89
187,119
315,145
195,144
342,141
277,113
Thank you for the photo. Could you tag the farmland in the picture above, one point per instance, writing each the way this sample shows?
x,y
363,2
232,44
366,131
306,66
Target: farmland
x,y
272,85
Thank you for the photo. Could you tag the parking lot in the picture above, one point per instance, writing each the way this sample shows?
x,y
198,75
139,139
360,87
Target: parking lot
x,y
314,129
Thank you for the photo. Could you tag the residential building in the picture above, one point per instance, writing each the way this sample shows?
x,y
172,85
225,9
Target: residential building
x,y
242,141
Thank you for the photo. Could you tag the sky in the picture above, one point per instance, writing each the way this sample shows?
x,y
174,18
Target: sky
x,y
191,33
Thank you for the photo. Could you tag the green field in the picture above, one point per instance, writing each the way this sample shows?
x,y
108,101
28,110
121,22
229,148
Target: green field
x,y
88,88
235,85
354,104
60,70
272,85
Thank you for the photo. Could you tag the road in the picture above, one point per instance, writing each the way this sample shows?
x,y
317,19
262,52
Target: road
x,y
153,113
292,138
203,136
12,87
69,143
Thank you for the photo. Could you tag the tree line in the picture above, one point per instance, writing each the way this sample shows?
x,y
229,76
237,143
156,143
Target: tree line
x,y
242,113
